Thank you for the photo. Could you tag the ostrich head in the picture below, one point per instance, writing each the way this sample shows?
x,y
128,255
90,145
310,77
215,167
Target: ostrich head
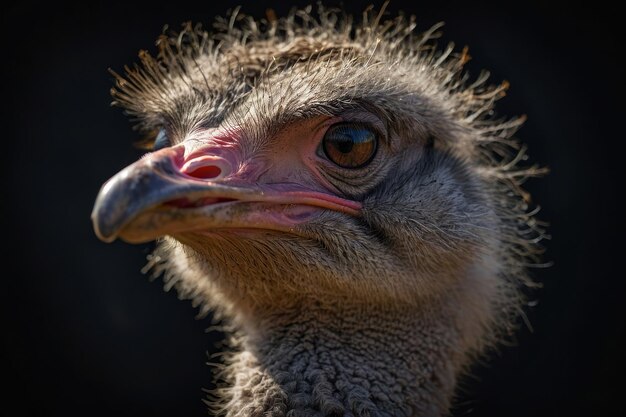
x,y
341,193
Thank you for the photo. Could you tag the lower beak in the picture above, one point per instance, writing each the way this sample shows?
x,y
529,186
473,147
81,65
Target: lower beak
x,y
152,198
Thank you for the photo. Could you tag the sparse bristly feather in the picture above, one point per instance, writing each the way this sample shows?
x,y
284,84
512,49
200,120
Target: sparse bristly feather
x,y
375,314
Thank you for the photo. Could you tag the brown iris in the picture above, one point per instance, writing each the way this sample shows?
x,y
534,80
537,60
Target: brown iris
x,y
350,145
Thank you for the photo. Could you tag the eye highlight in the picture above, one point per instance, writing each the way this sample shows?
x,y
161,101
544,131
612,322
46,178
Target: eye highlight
x,y
161,141
350,145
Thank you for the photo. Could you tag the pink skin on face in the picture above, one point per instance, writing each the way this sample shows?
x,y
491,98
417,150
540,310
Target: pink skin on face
x,y
210,182
291,157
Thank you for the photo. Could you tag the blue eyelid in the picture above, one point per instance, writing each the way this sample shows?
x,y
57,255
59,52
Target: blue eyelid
x,y
360,134
161,141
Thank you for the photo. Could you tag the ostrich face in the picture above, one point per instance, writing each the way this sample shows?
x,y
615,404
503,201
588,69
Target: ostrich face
x,y
307,164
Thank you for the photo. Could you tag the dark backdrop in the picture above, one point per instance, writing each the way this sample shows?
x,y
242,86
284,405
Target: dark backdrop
x,y
86,333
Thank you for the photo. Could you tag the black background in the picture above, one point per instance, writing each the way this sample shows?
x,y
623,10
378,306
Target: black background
x,y
86,333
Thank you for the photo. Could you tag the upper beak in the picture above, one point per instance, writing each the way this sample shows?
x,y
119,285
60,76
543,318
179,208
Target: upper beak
x,y
152,198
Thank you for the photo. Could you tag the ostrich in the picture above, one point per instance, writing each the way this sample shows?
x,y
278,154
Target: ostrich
x,y
341,194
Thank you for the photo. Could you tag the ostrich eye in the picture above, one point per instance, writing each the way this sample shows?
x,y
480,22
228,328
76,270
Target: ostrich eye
x,y
161,141
350,145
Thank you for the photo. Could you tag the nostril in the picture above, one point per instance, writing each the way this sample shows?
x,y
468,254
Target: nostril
x,y
206,167
205,172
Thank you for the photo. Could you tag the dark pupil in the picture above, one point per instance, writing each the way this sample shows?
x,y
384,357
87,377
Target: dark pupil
x,y
344,143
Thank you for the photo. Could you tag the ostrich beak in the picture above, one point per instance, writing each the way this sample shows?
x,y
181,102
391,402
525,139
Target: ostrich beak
x,y
155,197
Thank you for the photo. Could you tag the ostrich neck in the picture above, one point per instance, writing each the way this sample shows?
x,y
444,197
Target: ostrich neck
x,y
343,360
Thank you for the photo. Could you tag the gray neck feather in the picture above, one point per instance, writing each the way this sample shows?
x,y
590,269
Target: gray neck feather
x,y
343,360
